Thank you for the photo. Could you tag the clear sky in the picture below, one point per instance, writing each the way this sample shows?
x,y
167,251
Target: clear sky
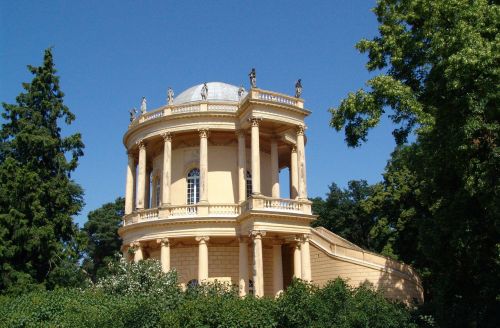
x,y
111,53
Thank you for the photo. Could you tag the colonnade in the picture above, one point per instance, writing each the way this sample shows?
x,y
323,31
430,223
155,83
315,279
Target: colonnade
x,y
301,260
141,182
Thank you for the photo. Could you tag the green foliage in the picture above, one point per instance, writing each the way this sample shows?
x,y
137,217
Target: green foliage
x,y
37,196
102,235
349,213
140,295
441,76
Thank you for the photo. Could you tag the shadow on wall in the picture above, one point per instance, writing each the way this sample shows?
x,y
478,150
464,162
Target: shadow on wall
x,y
395,285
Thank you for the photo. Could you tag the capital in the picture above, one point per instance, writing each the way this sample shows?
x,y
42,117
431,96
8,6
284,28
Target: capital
x,y
240,132
167,136
141,144
203,132
305,237
135,245
294,148
257,234
301,129
255,121
163,242
202,239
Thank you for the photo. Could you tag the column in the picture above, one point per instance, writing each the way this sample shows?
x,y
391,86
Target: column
x,y
301,156
203,165
164,254
258,266
137,251
277,268
141,179
243,268
297,263
294,177
242,166
305,258
129,191
202,258
255,156
147,190
275,183
167,168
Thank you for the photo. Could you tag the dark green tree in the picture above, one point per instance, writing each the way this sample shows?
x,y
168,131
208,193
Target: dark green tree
x,y
349,212
37,195
440,61
102,235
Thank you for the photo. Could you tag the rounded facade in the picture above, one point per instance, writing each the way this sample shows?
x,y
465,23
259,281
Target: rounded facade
x,y
203,196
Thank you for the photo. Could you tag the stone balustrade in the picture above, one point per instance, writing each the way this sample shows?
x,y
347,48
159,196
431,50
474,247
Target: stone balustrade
x,y
255,203
201,106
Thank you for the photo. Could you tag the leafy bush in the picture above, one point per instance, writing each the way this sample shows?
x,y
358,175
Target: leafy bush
x,y
140,295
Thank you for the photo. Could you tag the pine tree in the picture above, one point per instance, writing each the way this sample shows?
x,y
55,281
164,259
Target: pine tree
x,y
37,195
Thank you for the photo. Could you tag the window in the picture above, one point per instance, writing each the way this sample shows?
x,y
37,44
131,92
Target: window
x,y
249,184
193,186
250,287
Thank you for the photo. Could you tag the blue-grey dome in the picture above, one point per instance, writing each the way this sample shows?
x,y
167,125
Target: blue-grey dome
x,y
217,91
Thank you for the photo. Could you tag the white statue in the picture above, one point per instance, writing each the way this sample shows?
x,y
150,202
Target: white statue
x,y
241,91
253,78
133,113
204,91
143,105
170,96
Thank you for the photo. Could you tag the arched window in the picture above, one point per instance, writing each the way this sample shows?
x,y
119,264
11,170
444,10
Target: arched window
x,y
249,184
193,186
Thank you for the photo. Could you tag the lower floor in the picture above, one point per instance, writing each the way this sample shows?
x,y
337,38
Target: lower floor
x,y
265,265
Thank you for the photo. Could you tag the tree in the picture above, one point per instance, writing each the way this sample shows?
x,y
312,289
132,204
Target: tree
x,y
349,212
440,61
102,234
37,195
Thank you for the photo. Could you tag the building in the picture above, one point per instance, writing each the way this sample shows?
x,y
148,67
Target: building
x,y
203,196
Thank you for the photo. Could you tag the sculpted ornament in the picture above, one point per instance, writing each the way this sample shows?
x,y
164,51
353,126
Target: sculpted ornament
x,y
133,114
253,78
170,96
241,91
163,242
255,121
203,133
204,91
144,105
167,136
300,130
298,88
141,144
257,234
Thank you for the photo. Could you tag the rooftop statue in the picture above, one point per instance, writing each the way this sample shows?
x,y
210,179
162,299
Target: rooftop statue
x,y
241,91
253,78
143,105
298,88
204,91
133,113
170,96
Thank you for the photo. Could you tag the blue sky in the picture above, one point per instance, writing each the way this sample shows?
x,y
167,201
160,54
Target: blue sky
x,y
111,53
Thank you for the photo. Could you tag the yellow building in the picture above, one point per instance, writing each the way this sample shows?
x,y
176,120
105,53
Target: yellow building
x,y
203,197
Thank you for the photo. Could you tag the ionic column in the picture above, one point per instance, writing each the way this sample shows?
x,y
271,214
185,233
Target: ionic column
x,y
294,175
255,156
203,165
137,251
297,263
258,265
202,258
167,168
277,268
305,258
164,254
275,183
242,163
243,267
301,156
141,179
129,191
147,190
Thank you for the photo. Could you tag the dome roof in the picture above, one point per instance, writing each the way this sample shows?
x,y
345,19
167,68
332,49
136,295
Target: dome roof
x,y
217,91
